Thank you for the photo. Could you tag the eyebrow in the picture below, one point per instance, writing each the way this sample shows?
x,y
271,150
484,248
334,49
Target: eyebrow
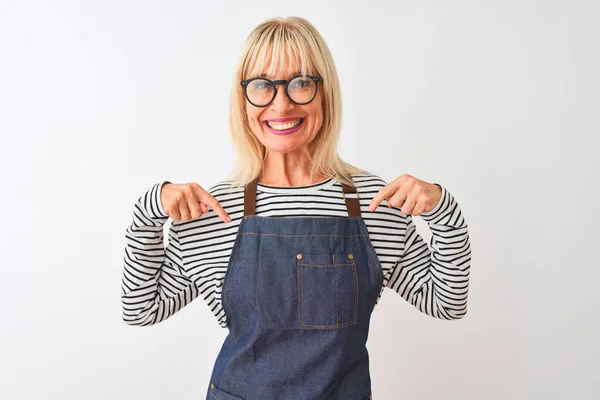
x,y
266,75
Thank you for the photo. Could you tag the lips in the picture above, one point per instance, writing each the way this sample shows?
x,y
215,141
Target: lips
x,y
283,128
289,124
282,119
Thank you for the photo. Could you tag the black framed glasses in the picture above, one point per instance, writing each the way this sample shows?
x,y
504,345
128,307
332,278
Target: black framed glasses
x,y
300,89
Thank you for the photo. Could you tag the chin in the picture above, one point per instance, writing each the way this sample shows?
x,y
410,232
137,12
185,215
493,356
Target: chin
x,y
283,147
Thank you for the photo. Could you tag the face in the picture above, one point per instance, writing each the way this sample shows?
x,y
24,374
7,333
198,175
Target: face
x,y
275,125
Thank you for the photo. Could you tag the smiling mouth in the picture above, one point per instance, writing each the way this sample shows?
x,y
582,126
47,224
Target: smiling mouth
x,y
279,126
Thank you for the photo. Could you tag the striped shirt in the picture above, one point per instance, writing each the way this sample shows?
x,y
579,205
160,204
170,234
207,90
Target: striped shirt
x,y
160,280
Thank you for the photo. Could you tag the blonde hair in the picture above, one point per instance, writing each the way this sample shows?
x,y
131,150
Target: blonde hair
x,y
282,40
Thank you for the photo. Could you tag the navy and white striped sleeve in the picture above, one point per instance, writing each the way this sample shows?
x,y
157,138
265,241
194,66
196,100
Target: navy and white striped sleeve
x,y
435,278
154,283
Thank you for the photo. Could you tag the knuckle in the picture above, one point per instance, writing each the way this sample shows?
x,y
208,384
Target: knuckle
x,y
187,190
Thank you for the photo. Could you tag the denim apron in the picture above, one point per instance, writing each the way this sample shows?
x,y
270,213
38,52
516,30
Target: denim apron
x,y
298,293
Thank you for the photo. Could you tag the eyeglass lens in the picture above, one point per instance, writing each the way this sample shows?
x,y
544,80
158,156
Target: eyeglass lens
x,y
300,89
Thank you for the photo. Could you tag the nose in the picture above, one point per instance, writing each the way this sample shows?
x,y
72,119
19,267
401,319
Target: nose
x,y
281,103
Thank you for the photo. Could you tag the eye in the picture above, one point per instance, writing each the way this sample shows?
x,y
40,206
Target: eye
x,y
260,84
302,82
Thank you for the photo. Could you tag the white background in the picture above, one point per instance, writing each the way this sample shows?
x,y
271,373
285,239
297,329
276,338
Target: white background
x,y
496,100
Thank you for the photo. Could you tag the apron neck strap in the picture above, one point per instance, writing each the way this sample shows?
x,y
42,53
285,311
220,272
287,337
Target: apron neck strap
x,y
352,202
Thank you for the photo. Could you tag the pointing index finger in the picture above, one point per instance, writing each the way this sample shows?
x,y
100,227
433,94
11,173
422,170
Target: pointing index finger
x,y
378,198
211,202
214,204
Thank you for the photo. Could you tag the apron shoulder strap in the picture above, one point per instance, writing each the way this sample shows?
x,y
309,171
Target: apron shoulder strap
x,y
352,201
250,198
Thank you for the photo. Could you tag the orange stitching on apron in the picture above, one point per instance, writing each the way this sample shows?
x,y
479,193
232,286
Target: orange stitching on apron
x,y
285,218
325,265
325,235
356,290
337,294
299,265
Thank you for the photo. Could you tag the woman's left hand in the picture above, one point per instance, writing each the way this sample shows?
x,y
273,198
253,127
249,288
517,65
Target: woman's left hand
x,y
412,195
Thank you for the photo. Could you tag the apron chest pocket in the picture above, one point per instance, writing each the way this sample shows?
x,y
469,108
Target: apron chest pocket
x,y
327,290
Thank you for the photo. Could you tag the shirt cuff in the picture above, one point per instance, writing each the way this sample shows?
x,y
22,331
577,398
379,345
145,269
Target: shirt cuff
x,y
438,209
156,200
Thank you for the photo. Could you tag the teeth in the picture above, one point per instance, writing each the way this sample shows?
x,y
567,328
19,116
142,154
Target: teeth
x,y
281,127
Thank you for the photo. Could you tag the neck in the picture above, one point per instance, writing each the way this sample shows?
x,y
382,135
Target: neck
x,y
288,169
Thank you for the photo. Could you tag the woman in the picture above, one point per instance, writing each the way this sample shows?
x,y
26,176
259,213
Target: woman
x,y
292,252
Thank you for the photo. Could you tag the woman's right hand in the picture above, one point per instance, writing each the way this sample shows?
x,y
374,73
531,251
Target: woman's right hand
x,y
189,201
